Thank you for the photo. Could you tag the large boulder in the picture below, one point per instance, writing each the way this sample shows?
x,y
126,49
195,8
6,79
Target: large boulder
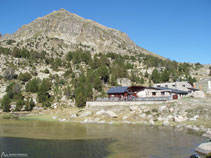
x,y
204,148
101,112
161,108
73,116
85,113
166,123
111,114
133,108
124,82
179,119
107,113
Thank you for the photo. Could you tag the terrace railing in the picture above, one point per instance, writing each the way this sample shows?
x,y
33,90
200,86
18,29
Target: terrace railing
x,y
116,99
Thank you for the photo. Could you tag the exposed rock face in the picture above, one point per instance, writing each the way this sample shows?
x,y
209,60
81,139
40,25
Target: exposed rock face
x,y
124,82
63,31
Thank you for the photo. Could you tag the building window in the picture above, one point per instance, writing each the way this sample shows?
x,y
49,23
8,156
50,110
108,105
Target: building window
x,y
158,85
183,85
166,86
162,93
153,93
173,85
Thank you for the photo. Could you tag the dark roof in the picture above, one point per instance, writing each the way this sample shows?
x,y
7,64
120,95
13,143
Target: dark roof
x,y
177,91
117,90
136,88
194,89
160,88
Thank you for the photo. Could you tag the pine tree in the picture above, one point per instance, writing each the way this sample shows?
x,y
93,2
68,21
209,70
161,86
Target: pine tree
x,y
155,76
103,73
5,103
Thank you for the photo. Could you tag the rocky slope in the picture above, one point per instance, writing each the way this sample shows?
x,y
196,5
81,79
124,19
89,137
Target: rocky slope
x,y
62,31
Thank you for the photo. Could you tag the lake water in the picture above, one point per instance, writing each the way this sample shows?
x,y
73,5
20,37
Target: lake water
x,y
74,140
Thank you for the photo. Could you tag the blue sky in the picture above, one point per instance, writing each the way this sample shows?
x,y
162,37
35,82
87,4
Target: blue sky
x,y
176,29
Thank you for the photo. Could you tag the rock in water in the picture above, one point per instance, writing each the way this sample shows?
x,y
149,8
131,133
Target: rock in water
x,y
194,156
204,148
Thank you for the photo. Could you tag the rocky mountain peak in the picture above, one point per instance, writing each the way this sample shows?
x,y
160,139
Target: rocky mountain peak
x,y
65,31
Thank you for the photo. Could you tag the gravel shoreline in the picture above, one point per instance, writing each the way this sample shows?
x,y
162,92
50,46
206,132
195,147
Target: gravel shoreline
x,y
188,113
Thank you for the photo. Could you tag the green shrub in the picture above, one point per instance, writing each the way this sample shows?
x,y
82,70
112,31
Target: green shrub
x,y
80,98
29,104
56,63
45,85
18,96
83,90
46,71
154,110
20,53
69,56
10,41
24,77
5,51
43,95
46,104
5,103
13,89
67,73
33,85
79,56
103,73
19,104
155,76
68,92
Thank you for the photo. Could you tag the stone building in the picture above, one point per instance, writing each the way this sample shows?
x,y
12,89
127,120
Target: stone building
x,y
183,86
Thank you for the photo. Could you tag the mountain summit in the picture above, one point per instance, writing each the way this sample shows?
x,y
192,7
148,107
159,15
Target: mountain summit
x,y
63,31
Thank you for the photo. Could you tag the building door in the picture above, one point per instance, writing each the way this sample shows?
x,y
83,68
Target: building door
x,y
175,97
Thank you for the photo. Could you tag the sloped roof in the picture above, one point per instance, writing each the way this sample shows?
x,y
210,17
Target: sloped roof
x,y
193,89
177,91
117,90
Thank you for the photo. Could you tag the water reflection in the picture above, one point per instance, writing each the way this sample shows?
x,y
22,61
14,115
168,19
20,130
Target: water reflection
x,y
133,141
43,148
